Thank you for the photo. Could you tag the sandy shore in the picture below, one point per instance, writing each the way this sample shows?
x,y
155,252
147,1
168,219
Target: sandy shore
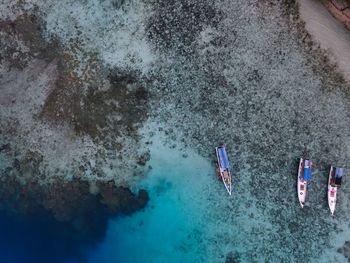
x,y
328,32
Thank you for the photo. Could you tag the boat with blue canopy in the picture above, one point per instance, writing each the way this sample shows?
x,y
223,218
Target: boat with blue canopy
x,y
223,168
304,176
334,182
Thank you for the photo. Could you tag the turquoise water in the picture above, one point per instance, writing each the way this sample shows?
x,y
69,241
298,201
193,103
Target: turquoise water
x,y
181,223
171,228
191,218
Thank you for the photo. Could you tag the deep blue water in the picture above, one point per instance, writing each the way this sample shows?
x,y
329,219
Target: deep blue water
x,y
167,230
37,240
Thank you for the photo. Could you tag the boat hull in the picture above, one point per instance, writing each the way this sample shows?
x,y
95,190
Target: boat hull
x,y
302,184
225,174
332,192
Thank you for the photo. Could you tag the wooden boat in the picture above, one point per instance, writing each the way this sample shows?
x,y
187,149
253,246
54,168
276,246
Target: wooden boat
x,y
223,169
304,175
334,182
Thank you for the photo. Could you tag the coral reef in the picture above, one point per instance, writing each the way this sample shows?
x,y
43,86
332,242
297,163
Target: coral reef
x,y
68,201
81,79
65,127
71,115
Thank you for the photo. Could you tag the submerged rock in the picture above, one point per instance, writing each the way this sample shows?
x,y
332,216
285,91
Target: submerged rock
x,y
232,257
144,158
68,200
345,250
5,147
121,199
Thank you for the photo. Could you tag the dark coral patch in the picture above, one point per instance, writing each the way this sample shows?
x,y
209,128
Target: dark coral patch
x,y
66,200
101,109
126,99
28,29
176,24
81,214
63,218
345,250
232,257
96,102
121,199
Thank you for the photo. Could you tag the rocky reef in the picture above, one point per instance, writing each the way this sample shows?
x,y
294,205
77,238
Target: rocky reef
x,y
69,141
83,204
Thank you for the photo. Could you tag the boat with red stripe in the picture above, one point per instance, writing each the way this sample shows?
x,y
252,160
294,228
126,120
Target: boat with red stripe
x,y
304,176
334,182
223,168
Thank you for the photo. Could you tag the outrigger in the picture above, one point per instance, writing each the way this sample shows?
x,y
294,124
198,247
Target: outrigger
x,y
334,182
223,169
304,176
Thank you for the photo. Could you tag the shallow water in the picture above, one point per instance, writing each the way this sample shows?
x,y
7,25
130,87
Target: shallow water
x,y
190,218
171,228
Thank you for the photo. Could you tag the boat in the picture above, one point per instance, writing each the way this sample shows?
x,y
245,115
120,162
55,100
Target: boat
x,y
223,168
304,176
334,182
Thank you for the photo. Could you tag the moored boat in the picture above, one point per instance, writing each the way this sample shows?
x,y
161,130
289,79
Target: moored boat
x,y
334,182
223,168
304,176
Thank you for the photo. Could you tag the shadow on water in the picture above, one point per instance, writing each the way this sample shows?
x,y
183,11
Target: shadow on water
x,y
42,239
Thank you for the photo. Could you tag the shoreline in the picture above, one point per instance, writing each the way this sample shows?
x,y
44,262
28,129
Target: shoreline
x,y
340,10
328,32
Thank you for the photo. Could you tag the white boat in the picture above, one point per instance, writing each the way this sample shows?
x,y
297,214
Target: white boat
x,y
304,175
223,168
334,182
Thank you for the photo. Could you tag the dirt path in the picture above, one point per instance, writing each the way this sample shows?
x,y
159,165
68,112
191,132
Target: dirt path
x,y
328,32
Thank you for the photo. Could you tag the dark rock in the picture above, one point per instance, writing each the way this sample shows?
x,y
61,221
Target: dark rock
x,y
5,148
29,164
34,158
345,250
71,201
232,257
118,3
141,94
121,199
16,164
144,158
